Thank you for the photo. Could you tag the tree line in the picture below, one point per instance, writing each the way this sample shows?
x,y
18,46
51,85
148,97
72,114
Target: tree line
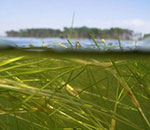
x,y
77,32
146,36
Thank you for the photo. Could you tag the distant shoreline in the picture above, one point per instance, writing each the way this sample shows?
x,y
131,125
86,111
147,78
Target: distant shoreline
x,y
76,32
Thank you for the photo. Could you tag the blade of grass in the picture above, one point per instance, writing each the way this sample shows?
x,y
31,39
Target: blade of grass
x,y
70,33
70,42
94,41
21,65
71,28
118,97
11,60
118,39
37,71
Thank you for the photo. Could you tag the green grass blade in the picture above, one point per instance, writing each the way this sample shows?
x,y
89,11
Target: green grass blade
x,y
11,60
70,33
118,40
71,28
70,42
94,41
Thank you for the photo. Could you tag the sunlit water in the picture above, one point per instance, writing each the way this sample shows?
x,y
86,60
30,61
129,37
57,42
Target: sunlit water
x,y
86,44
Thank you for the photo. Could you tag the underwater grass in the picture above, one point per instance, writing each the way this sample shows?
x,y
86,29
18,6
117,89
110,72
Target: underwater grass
x,y
58,92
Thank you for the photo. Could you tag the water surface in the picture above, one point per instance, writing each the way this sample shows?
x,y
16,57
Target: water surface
x,y
86,44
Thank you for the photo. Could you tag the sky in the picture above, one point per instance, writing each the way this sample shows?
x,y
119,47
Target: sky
x,y
56,14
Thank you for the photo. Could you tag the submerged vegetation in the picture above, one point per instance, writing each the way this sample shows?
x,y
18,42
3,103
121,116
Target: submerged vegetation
x,y
50,91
